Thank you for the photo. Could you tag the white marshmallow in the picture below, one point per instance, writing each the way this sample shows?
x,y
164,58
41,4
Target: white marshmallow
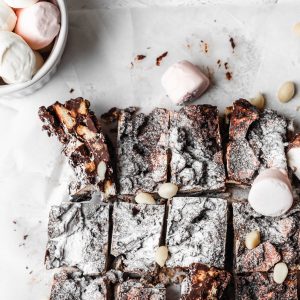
x,y
183,81
293,156
20,3
271,193
8,17
19,62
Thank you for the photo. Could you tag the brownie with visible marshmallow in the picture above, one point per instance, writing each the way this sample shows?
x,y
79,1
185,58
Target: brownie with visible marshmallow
x,y
204,283
142,150
134,289
196,152
256,142
78,237
196,231
78,129
71,284
280,239
261,286
137,230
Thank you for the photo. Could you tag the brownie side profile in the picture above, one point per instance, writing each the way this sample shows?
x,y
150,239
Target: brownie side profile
x,y
72,285
279,239
261,286
196,152
133,289
196,231
142,150
78,237
78,129
204,283
137,230
256,142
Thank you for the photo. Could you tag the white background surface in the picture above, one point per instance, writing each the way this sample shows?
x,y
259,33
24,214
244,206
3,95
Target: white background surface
x,y
97,65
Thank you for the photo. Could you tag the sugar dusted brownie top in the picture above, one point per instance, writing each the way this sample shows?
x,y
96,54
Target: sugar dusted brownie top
x,y
279,239
136,235
133,289
78,237
78,129
196,152
142,150
196,231
261,286
72,285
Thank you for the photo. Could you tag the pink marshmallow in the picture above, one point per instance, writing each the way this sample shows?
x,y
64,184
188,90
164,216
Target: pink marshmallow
x,y
183,81
38,24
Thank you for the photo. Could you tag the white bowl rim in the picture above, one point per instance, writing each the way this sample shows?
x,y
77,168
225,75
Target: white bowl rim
x,y
53,57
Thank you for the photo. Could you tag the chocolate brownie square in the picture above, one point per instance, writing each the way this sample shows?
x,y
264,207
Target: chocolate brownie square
x,y
78,129
196,152
261,286
137,230
256,142
279,239
133,289
72,285
78,237
204,283
142,150
196,231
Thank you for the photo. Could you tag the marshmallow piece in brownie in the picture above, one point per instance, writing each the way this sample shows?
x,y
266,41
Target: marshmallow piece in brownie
x,y
137,230
196,231
293,155
279,239
256,142
78,237
203,283
78,129
133,289
196,153
259,286
142,150
70,284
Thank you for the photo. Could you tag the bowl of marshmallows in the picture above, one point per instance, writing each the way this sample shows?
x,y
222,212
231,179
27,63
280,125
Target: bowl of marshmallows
x,y
33,35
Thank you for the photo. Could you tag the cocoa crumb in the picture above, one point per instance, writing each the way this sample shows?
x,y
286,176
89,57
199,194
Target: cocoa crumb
x,y
232,43
219,63
25,237
159,58
228,75
71,90
140,57
226,65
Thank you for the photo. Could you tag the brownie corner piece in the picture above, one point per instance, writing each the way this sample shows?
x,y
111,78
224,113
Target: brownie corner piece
x,y
196,231
71,284
78,237
196,150
134,289
137,230
204,283
256,286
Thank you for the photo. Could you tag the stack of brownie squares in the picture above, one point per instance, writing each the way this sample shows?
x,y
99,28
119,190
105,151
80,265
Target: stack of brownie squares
x,y
105,243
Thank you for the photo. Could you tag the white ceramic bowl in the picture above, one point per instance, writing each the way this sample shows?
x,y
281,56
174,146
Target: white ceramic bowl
x,y
49,67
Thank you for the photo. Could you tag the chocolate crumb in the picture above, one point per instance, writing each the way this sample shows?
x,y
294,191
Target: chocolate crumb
x,y
159,58
71,90
228,75
30,272
226,65
25,237
15,222
140,57
232,43
219,63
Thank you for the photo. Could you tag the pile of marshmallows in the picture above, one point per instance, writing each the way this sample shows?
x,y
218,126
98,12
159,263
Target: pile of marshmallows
x,y
27,29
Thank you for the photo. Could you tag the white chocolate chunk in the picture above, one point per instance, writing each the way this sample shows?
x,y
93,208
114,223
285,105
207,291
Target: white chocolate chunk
x,y
168,190
144,198
280,272
101,170
161,255
258,101
293,156
252,239
286,91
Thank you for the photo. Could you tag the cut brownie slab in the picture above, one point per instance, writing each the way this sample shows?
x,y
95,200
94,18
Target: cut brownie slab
x,y
196,152
204,283
136,235
133,289
72,285
256,141
78,237
78,129
196,231
261,286
279,239
142,150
